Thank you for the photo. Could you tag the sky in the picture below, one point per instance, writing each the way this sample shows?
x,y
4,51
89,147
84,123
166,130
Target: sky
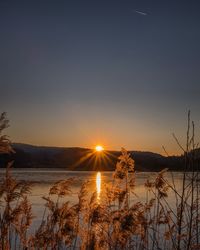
x,y
120,73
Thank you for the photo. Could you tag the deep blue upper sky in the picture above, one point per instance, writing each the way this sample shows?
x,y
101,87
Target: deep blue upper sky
x,y
77,73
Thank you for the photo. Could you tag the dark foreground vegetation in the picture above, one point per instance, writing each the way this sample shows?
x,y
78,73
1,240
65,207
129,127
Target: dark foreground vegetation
x,y
115,221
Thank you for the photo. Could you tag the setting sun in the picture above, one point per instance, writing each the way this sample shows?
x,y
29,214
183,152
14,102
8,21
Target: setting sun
x,y
99,148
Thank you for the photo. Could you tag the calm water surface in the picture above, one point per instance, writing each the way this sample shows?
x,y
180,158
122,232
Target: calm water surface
x,y
43,179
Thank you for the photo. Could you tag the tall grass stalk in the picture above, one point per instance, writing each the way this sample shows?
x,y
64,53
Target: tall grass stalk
x,y
119,221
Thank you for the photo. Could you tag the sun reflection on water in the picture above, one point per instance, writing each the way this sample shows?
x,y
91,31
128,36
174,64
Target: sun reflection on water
x,y
98,185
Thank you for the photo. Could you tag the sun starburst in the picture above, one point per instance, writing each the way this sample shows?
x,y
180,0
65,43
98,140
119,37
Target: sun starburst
x,y
99,148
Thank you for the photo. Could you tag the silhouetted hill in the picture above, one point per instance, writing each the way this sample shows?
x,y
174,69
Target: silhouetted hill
x,y
28,156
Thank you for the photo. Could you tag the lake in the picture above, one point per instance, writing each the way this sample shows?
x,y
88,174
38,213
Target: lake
x,y
43,179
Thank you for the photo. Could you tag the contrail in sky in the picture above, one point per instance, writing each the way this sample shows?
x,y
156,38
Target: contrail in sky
x,y
140,12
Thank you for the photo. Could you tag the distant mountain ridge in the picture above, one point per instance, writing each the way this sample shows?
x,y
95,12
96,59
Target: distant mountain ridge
x,y
75,158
